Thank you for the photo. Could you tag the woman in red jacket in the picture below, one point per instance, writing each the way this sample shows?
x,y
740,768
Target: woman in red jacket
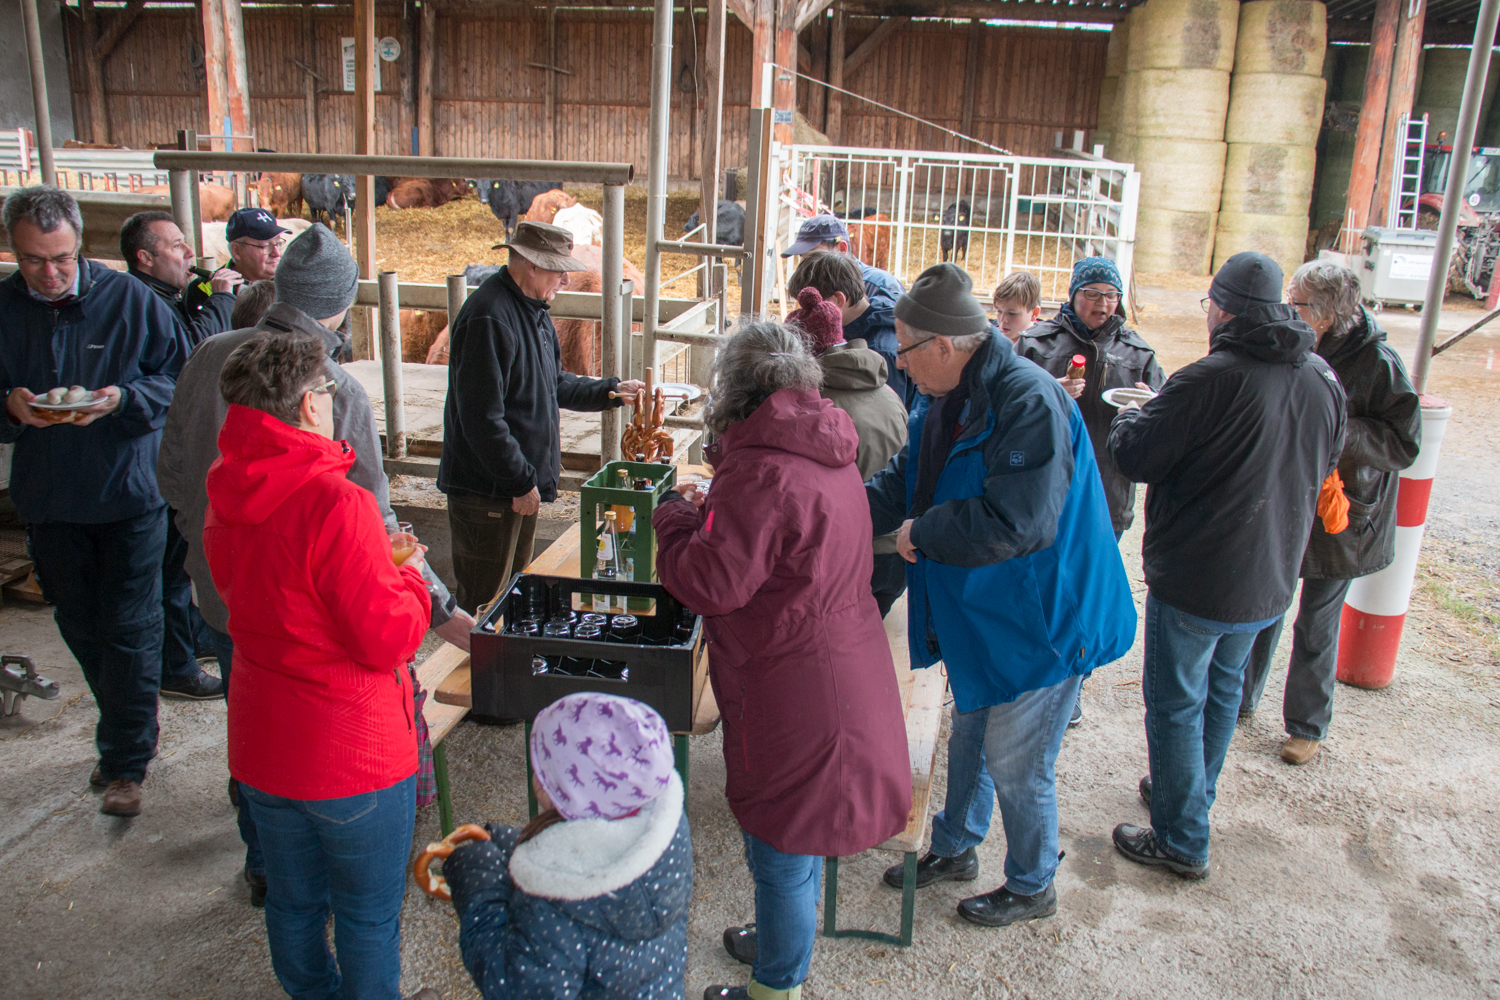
x,y
321,734
779,560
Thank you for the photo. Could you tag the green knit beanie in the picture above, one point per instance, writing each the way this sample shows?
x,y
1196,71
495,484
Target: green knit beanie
x,y
941,301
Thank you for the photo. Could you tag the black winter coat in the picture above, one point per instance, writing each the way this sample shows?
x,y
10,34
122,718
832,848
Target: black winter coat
x,y
1383,436
505,384
1234,449
202,311
1126,359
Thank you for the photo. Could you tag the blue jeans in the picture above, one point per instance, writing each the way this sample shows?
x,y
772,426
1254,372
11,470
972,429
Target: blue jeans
x,y
1008,752
347,855
104,582
1193,681
786,912
223,648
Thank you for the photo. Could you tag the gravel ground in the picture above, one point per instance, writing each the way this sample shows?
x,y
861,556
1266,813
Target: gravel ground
x,y
1368,873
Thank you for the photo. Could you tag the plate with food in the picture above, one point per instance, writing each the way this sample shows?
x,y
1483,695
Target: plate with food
x,y
1125,395
61,405
679,390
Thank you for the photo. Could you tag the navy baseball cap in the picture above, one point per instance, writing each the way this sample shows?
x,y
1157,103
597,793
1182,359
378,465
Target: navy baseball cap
x,y
256,223
815,232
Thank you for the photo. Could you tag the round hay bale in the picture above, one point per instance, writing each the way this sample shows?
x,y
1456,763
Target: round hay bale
x,y
1109,93
803,134
1273,108
1183,34
1127,102
1283,238
1119,42
1442,90
1265,179
1173,241
1122,147
1181,103
1281,36
1181,174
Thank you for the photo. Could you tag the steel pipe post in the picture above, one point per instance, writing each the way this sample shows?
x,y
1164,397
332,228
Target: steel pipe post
x,y
656,181
390,365
39,93
630,363
458,293
613,269
180,189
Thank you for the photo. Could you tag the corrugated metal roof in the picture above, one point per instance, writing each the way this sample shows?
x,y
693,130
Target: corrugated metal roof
x,y
1452,11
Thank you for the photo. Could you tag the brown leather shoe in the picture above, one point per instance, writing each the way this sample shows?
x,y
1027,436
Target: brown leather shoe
x,y
122,798
1296,750
97,781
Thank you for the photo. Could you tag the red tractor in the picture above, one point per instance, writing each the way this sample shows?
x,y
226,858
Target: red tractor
x,y
1478,243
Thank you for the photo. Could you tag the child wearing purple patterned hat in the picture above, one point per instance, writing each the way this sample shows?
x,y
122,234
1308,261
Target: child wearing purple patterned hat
x,y
591,897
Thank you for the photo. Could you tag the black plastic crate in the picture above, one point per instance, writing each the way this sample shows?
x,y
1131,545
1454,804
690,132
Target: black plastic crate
x,y
516,676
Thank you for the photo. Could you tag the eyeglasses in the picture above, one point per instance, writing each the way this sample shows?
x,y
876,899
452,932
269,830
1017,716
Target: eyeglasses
x,y
1094,295
329,387
25,260
1299,305
276,245
913,347
1204,302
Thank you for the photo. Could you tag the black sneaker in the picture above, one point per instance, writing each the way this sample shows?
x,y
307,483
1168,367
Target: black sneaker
x,y
935,868
1077,715
1002,907
1145,789
257,885
1139,845
202,686
740,943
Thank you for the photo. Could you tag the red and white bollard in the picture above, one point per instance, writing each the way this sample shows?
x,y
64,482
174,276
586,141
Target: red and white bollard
x,y
1375,607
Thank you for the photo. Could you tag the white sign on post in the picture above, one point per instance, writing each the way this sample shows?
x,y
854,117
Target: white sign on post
x,y
349,72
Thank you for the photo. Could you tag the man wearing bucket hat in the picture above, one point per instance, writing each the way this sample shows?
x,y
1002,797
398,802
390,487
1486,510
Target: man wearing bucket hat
x,y
1234,450
1014,581
502,450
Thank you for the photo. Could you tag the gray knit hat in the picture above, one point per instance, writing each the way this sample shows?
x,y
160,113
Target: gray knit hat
x,y
942,301
316,274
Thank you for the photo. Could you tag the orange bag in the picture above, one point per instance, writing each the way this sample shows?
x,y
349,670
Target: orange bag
x,y
1333,506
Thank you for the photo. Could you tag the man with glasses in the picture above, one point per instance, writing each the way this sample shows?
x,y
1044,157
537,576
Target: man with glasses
x,y
86,489
255,243
156,252
1014,581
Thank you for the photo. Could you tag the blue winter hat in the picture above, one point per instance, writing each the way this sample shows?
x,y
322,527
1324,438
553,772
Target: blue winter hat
x,y
1092,270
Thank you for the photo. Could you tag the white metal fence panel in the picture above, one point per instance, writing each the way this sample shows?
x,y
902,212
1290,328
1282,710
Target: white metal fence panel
x,y
82,169
990,214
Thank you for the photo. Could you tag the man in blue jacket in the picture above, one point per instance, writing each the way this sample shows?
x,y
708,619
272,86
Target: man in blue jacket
x,y
1015,581
86,490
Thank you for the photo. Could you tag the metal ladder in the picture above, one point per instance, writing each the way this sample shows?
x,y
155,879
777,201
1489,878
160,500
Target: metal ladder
x,y
1406,186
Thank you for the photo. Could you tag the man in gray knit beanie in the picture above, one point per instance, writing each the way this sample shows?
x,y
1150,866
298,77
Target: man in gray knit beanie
x,y
317,275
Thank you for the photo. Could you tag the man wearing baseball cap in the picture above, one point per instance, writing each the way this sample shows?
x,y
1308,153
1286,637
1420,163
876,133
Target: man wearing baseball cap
x,y
255,243
871,318
1234,449
502,449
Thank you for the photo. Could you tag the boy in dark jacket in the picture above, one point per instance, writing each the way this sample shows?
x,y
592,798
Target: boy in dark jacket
x,y
86,489
1384,435
591,898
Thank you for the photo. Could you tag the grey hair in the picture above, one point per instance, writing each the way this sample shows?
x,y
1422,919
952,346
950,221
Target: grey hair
x,y
966,343
758,359
43,206
1332,293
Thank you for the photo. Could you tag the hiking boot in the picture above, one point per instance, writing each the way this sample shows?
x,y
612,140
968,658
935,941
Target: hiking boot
x,y
740,943
202,686
1002,907
97,781
1138,843
257,885
122,798
1145,789
1296,750
936,868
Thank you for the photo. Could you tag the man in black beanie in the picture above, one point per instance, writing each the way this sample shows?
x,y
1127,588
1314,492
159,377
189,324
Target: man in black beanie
x,y
1234,450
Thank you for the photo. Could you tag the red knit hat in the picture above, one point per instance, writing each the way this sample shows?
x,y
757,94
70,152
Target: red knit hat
x,y
819,321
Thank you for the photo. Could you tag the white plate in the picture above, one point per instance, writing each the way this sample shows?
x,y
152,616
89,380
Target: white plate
x,y
679,390
59,407
1118,398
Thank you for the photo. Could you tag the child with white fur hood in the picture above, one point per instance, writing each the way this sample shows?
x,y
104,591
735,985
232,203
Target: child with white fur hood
x,y
590,899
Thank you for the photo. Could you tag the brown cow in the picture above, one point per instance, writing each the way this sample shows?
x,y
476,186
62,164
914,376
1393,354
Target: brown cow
x,y
577,338
420,329
281,194
870,241
545,206
215,201
425,192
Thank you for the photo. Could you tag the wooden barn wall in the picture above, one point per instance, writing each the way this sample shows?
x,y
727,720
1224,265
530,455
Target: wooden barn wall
x,y
489,100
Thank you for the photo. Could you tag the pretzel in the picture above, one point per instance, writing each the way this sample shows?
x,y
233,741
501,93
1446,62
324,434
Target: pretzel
x,y
421,869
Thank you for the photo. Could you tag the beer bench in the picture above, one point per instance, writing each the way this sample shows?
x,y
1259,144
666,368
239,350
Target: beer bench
x,y
441,719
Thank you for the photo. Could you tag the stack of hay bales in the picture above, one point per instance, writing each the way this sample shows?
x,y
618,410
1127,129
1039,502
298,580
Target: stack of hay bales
x,y
1442,90
1109,87
1171,118
1275,112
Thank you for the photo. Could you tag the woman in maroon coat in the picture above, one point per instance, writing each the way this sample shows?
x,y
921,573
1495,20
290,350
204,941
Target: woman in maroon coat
x,y
778,558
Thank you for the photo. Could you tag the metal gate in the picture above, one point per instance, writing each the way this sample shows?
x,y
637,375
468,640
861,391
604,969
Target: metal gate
x,y
990,214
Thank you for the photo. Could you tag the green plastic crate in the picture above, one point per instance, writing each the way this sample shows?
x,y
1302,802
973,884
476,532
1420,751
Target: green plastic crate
x,y
639,544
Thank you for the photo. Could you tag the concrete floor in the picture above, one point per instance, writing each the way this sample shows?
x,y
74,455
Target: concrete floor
x,y
1368,873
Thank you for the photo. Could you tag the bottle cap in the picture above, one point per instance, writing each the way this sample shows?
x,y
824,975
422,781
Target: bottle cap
x,y
609,515
1079,361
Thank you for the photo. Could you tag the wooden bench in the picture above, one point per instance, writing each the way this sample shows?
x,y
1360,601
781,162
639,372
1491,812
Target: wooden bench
x,y
922,695
441,718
